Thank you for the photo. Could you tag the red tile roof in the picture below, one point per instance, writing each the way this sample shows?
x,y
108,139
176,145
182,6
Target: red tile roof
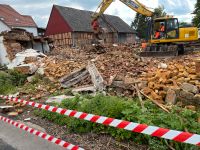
x,y
14,19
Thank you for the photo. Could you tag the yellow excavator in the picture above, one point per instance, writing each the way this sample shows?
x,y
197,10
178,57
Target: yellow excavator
x,y
165,37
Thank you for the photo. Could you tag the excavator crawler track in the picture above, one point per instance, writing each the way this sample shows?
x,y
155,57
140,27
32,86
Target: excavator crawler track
x,y
158,54
160,51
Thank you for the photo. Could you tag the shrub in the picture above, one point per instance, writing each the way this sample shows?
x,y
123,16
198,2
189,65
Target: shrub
x,y
9,80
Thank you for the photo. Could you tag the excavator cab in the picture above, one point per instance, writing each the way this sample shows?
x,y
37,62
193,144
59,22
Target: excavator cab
x,y
165,28
170,40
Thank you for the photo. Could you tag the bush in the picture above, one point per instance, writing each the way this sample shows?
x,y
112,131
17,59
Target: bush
x,y
9,80
126,109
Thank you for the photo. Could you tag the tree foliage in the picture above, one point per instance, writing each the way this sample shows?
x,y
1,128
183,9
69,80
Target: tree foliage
x,y
196,19
140,23
185,24
159,12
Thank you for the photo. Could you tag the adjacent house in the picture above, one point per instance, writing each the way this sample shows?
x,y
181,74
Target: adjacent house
x,y
10,18
69,26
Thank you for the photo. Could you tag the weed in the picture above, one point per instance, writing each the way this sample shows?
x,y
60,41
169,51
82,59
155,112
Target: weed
x,y
9,81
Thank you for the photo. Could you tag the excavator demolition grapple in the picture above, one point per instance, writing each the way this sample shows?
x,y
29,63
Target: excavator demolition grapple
x,y
164,36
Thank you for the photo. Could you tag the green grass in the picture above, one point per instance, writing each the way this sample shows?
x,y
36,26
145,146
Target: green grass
x,y
10,80
127,109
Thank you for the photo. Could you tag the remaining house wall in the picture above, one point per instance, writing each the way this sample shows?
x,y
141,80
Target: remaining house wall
x,y
109,38
38,46
83,38
131,38
4,60
42,47
3,27
126,38
72,39
64,39
30,29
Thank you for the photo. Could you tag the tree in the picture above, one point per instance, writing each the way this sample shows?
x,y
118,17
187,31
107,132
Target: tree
x,y
185,24
140,23
196,19
159,12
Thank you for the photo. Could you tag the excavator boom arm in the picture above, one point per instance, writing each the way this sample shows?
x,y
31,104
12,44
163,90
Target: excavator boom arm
x,y
138,7
133,4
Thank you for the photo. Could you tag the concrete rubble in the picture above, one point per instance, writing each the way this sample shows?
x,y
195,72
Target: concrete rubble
x,y
58,99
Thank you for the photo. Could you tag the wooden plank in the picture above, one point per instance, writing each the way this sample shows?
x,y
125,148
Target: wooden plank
x,y
74,78
84,89
95,76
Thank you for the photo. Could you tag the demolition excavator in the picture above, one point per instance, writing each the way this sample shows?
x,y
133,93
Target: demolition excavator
x,y
164,36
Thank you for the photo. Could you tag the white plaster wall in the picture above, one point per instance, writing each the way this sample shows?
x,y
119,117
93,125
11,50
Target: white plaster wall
x,y
30,29
3,27
4,60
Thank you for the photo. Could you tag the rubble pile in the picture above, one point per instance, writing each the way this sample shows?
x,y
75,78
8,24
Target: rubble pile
x,y
12,108
119,70
122,69
26,62
56,68
120,61
169,76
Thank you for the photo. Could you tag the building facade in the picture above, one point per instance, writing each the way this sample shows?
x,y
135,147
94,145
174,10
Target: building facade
x,y
10,18
72,27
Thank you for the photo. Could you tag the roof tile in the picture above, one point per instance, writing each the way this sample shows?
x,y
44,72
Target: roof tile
x,y
12,18
80,20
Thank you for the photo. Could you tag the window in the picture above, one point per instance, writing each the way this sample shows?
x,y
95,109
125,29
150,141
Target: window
x,y
172,28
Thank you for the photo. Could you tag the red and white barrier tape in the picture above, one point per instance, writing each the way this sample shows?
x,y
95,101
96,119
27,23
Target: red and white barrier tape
x,y
179,136
41,134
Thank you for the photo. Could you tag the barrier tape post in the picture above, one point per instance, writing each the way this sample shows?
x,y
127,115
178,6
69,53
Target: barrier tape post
x,y
178,136
41,134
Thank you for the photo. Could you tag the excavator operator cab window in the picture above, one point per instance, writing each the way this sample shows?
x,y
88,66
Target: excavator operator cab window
x,y
159,30
172,28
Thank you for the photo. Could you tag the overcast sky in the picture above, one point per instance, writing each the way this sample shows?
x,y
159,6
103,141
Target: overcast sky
x,y
40,9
